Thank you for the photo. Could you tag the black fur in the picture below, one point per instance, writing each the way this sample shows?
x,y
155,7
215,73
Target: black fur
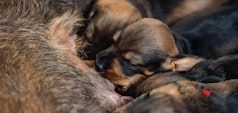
x,y
212,35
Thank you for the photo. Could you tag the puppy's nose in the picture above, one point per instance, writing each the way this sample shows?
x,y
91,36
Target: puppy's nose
x,y
99,65
103,61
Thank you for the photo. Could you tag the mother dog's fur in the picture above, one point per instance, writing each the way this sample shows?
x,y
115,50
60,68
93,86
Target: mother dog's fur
x,y
40,71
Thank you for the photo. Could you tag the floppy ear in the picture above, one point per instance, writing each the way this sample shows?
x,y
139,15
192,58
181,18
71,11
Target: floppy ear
x,y
116,36
186,63
92,12
90,29
181,64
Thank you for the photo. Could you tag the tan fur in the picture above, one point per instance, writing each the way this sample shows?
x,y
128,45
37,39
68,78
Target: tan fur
x,y
155,81
106,18
137,42
185,96
117,77
186,64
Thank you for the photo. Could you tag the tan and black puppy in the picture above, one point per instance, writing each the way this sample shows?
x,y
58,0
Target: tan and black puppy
x,y
206,71
143,48
106,17
188,97
153,102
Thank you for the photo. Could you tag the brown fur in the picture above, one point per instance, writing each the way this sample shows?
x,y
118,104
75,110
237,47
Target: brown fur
x,y
155,81
153,102
143,48
106,18
187,97
39,71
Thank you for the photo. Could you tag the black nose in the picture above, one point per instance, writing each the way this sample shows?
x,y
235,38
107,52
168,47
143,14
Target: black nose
x,y
103,60
99,64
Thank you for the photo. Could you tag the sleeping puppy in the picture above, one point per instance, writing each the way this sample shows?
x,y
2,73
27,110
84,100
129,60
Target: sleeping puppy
x,y
212,34
206,71
104,19
147,47
188,97
153,102
171,11
143,48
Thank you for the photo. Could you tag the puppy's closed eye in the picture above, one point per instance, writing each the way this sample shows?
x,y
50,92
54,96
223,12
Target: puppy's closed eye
x,y
130,68
132,63
134,58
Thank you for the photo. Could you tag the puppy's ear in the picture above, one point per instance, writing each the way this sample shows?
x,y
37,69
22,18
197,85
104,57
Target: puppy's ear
x,y
90,28
116,36
92,12
185,63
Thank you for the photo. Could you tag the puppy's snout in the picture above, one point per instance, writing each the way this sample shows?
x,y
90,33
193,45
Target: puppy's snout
x,y
118,88
99,64
103,61
121,89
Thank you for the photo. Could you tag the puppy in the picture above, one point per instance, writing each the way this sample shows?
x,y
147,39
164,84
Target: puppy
x,y
212,34
171,11
104,19
143,48
188,97
207,71
153,102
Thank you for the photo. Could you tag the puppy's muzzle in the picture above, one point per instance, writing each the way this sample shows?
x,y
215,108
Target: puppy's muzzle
x,y
104,59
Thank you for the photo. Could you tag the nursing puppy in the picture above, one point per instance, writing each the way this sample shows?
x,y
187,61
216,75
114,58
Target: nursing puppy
x,y
108,16
40,71
105,18
188,97
143,48
153,102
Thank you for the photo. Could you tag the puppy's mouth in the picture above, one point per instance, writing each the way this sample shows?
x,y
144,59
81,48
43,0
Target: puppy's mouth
x,y
118,87
121,89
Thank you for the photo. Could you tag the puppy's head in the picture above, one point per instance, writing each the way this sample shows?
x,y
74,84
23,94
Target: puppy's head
x,y
105,18
141,49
